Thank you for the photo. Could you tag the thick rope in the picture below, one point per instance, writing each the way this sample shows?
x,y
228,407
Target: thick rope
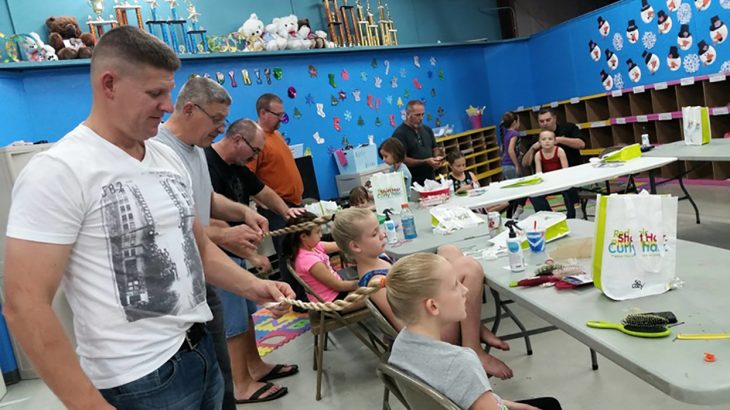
x,y
338,305
305,226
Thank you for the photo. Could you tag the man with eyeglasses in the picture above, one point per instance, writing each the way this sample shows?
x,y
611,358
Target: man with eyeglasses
x,y
420,143
275,166
199,116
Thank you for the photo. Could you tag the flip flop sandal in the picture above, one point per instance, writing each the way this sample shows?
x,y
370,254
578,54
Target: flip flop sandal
x,y
276,372
256,396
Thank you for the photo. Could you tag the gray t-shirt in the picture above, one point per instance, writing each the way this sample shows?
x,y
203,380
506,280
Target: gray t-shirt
x,y
454,371
194,160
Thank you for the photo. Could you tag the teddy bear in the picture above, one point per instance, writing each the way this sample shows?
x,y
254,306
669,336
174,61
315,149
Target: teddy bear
x,y
275,36
318,38
64,35
252,31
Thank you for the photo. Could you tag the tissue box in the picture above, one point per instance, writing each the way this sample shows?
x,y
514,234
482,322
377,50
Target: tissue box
x,y
357,159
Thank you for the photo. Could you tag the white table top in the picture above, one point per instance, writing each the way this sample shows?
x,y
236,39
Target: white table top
x,y
717,150
560,180
675,367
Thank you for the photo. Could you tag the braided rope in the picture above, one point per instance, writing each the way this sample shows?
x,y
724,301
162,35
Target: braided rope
x,y
338,305
304,226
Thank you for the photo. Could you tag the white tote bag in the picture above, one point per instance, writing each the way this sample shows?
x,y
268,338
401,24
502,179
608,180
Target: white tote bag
x,y
696,125
389,191
634,252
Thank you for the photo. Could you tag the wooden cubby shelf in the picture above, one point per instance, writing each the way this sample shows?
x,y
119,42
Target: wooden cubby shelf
x,y
698,169
480,149
656,107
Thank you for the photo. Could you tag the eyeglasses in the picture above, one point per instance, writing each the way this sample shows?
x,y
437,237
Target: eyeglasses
x,y
255,150
215,121
276,114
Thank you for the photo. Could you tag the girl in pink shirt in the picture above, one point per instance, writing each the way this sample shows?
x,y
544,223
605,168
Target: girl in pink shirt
x,y
310,259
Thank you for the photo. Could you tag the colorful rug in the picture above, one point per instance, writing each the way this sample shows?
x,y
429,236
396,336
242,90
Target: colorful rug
x,y
272,333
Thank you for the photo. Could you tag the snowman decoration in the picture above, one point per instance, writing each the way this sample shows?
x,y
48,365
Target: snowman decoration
x,y
595,50
611,59
634,71
674,61
647,11
707,53
702,5
603,27
718,30
606,80
632,32
664,22
673,5
651,60
684,38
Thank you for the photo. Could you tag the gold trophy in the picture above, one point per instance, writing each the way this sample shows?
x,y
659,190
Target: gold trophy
x,y
121,9
96,26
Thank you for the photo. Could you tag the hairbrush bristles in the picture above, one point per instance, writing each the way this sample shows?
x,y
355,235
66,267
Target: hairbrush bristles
x,y
547,269
645,322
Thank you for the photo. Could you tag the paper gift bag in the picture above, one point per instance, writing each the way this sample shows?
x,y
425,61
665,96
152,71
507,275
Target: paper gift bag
x,y
634,252
696,125
389,191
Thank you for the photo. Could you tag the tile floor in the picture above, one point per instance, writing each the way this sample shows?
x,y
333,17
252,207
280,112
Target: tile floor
x,y
560,366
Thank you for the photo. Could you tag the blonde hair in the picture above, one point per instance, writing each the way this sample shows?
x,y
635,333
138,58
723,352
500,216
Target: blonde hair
x,y
348,227
410,281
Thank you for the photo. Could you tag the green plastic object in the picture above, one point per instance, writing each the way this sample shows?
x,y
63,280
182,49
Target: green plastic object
x,y
523,182
599,324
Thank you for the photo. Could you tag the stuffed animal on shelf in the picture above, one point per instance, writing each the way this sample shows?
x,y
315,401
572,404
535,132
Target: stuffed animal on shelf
x,y
64,35
252,31
28,47
275,35
289,29
45,51
318,38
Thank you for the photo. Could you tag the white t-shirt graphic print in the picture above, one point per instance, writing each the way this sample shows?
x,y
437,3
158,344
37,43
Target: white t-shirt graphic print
x,y
134,279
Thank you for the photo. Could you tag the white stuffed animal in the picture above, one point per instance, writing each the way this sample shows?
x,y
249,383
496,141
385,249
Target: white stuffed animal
x,y
275,35
45,51
252,31
289,28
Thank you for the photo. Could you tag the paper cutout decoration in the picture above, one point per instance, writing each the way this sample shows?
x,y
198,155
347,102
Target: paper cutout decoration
x,y
394,82
707,53
267,74
684,13
246,77
674,61
718,30
342,95
278,73
370,101
618,81
378,82
652,61
594,50
440,111
360,121
386,63
389,99
438,122
206,75
291,92
634,71
399,103
684,38
347,115
333,100
232,76
391,117
320,110
285,118
441,74
331,79
632,32
220,77
336,124
417,61
664,22
604,28
345,143
257,74
691,63
356,94
308,99
606,80
647,12
672,5
319,140
618,41
312,71
308,151
417,84
432,60
433,92
378,103
403,115
374,63
378,123
702,5
611,59
648,40
345,75
363,76
406,93
297,113
429,118
403,72
429,74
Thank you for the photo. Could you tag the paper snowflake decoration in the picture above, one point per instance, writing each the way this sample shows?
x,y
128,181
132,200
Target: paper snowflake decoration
x,y
403,72
618,41
389,99
618,81
432,60
725,4
691,63
648,40
348,115
684,13
725,67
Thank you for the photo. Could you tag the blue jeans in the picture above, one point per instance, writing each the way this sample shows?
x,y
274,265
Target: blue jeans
x,y
189,380
236,309
216,330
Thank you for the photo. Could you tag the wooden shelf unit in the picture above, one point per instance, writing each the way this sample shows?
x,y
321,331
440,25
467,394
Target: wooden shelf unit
x,y
656,107
481,151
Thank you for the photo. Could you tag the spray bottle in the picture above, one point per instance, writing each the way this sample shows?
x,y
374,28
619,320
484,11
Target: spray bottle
x,y
389,225
514,248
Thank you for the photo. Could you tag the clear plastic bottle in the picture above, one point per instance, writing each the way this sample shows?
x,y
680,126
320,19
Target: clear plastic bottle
x,y
514,249
390,232
408,222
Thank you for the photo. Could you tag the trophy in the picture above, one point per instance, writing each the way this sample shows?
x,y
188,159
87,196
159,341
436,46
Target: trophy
x,y
121,10
194,30
334,22
156,22
97,25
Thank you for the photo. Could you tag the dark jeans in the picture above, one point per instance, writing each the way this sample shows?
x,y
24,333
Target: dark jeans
x,y
277,222
216,330
189,380
570,197
543,403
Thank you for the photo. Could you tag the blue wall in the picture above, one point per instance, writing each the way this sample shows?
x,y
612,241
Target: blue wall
x,y
418,22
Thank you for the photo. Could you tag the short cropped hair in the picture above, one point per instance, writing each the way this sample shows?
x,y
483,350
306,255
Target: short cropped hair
x,y
135,47
264,102
245,127
545,110
413,103
202,91
394,147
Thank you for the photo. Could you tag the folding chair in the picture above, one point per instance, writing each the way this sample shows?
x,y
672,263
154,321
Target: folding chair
x,y
414,393
324,322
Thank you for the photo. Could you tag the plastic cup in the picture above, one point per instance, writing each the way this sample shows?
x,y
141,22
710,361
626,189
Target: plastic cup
x,y
536,240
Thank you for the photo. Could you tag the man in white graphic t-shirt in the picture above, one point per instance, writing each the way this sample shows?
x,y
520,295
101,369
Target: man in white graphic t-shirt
x,y
110,216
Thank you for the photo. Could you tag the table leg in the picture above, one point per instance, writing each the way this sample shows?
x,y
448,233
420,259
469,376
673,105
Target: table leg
x,y
680,175
652,181
594,360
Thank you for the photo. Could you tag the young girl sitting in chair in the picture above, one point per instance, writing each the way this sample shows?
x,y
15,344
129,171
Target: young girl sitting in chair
x,y
357,233
551,158
427,298
310,260
393,153
463,180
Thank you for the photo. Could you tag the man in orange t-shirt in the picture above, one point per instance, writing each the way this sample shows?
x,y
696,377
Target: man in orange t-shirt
x,y
275,166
